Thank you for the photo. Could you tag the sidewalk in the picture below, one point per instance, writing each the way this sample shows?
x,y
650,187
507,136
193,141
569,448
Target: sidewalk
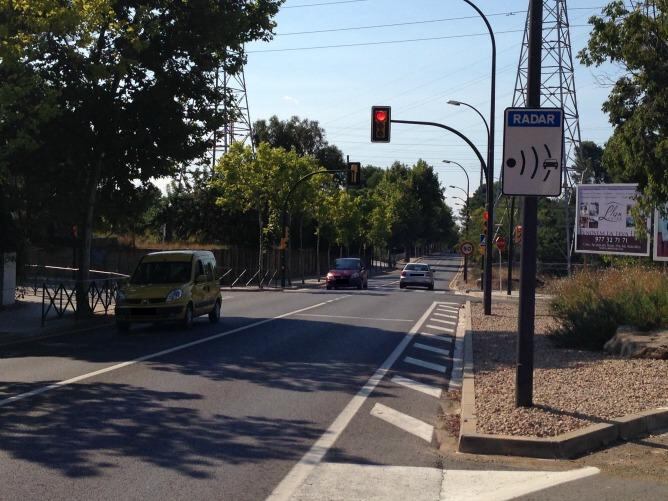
x,y
23,322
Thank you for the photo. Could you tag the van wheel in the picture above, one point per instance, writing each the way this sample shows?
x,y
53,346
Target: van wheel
x,y
366,284
187,321
214,315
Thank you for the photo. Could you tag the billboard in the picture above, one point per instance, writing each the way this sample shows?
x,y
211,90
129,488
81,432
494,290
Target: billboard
x,y
604,222
660,236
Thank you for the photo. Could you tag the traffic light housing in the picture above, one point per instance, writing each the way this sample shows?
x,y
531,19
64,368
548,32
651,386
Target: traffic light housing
x,y
354,172
380,124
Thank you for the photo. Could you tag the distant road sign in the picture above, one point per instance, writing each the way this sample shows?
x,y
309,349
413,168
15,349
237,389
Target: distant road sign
x,y
501,243
466,248
533,151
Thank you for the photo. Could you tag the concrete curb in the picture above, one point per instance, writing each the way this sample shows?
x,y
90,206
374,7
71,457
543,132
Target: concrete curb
x,y
565,446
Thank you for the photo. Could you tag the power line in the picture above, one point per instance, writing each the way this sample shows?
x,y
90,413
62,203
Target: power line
x,y
322,4
409,23
385,42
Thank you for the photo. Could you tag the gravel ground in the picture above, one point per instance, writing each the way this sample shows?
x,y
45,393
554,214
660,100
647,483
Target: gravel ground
x,y
572,388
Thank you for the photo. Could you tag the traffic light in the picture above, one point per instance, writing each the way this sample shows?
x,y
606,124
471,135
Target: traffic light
x,y
380,124
354,174
518,233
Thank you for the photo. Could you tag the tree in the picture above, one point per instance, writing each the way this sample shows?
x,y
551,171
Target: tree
x,y
259,182
305,136
589,167
635,38
123,91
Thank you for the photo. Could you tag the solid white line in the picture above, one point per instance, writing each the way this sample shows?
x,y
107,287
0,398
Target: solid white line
x,y
426,347
448,322
404,421
442,329
313,457
427,365
355,318
436,314
151,356
439,292
427,389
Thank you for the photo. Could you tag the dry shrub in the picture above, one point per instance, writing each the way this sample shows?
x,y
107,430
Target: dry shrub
x,y
591,305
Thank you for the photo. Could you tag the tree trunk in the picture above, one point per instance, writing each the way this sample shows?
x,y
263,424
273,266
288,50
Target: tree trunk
x,y
259,257
317,252
86,240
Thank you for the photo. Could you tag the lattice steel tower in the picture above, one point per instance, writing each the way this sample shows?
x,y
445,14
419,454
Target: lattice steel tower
x,y
557,87
238,127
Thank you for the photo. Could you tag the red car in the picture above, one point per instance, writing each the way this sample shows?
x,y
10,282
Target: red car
x,y
348,272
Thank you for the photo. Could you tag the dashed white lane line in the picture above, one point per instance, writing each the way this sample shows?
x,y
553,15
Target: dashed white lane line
x,y
404,421
433,349
442,329
66,382
441,321
300,472
427,389
356,318
427,365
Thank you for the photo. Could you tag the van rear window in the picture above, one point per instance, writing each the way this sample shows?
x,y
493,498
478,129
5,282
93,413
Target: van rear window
x,y
162,272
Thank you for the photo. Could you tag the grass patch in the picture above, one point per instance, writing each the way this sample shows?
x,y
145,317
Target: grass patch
x,y
591,305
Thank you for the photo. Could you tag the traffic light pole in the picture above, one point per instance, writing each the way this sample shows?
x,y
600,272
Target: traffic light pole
x,y
527,306
487,289
511,246
284,216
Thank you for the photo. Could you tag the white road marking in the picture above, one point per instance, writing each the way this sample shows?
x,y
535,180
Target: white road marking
x,y
355,318
427,365
449,309
442,329
313,457
427,389
227,297
426,347
439,292
436,314
439,320
457,374
363,482
66,382
436,337
441,303
404,421
480,485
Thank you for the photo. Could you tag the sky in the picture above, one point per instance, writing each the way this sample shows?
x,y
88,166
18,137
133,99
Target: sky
x,y
335,76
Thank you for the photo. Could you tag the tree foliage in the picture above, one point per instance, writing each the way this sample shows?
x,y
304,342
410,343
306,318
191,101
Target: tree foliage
x,y
636,39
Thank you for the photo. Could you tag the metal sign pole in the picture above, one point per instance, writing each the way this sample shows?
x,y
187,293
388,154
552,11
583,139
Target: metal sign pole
x,y
527,306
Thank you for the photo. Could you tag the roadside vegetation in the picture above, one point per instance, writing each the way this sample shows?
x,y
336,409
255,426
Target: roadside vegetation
x,y
592,304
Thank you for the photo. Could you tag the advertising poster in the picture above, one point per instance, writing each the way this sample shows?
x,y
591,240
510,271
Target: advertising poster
x,y
605,224
660,237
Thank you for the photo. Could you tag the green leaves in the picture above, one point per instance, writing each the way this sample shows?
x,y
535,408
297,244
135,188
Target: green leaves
x,y
636,39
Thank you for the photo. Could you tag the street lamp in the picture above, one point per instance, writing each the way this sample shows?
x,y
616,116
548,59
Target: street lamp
x,y
487,293
454,102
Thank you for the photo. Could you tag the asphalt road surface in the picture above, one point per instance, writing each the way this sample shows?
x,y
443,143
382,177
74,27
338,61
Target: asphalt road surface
x,y
307,394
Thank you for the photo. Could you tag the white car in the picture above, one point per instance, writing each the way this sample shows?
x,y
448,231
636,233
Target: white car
x,y
419,274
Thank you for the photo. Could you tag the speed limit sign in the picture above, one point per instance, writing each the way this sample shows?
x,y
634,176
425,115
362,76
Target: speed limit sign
x,y
466,248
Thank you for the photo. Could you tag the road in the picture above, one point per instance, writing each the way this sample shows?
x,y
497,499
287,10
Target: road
x,y
306,394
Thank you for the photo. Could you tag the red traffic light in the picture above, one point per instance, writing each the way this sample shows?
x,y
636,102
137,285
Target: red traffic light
x,y
380,124
381,115
485,216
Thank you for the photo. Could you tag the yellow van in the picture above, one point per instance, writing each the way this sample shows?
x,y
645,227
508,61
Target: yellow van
x,y
170,286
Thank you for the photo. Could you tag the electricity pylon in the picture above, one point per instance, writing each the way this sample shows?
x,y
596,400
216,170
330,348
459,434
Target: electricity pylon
x,y
557,89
